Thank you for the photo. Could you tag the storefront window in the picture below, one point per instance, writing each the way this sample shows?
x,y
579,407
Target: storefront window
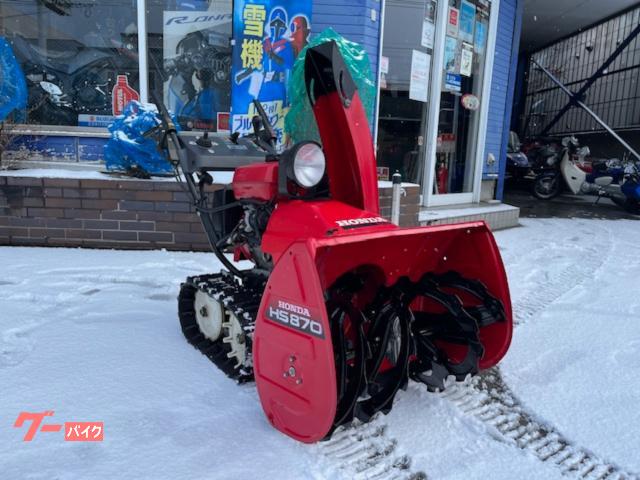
x,y
465,47
79,57
189,43
407,56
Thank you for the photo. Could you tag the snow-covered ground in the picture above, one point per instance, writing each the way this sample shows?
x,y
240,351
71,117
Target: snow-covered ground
x,y
93,335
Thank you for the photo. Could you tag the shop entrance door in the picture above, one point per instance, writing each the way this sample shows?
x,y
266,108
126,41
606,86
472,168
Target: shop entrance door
x,y
457,143
405,87
435,74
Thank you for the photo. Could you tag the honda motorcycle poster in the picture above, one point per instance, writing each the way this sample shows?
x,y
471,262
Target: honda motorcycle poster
x,y
197,65
269,35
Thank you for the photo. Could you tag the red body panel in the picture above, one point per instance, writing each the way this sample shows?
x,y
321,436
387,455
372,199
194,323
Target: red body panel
x,y
299,219
256,182
302,405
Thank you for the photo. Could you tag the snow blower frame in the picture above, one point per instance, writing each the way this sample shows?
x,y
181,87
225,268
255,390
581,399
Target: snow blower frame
x,y
342,307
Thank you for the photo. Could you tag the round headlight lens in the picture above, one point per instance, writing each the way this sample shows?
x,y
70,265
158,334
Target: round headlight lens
x,y
309,165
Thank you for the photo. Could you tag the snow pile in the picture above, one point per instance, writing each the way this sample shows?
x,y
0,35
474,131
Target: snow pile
x,y
94,336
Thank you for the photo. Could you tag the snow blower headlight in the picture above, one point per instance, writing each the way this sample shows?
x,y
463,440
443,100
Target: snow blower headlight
x,y
309,164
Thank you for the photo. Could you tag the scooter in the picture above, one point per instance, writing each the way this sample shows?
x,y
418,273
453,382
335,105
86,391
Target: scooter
x,y
606,179
341,306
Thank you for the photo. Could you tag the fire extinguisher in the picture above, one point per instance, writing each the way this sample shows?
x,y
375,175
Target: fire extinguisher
x,y
123,93
443,177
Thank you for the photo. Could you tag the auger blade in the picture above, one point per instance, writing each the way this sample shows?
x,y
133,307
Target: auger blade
x,y
491,311
456,326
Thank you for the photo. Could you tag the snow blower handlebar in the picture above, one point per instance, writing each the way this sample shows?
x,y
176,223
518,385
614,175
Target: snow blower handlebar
x,y
172,143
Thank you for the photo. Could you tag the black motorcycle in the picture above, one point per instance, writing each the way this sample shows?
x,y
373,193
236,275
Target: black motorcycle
x,y
65,84
198,83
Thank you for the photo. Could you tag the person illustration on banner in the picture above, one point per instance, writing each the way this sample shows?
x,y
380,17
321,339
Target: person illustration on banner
x,y
268,39
278,49
300,32
279,56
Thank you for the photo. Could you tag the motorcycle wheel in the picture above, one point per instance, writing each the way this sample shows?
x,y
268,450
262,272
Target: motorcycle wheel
x,y
632,206
547,187
619,201
628,204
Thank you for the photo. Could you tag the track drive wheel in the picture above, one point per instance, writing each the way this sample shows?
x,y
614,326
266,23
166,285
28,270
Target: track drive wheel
x,y
207,325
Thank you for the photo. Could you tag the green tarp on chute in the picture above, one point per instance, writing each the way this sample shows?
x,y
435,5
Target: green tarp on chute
x,y
300,123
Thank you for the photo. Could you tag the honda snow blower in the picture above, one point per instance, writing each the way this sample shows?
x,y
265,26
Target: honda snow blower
x,y
341,307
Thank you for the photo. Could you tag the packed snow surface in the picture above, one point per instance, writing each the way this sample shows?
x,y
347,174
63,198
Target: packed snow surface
x,y
93,335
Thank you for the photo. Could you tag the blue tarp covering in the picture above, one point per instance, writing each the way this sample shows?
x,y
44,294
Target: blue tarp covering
x,y
13,86
128,148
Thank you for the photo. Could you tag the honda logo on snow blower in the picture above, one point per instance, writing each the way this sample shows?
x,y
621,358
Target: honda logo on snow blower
x,y
294,316
361,222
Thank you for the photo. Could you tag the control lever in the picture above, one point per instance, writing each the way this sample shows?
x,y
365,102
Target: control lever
x,y
204,141
264,133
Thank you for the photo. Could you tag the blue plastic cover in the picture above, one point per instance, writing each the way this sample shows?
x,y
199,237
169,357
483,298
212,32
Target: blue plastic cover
x,y
631,189
13,86
128,148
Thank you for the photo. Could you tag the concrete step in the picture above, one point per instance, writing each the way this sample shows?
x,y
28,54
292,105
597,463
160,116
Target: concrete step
x,y
498,215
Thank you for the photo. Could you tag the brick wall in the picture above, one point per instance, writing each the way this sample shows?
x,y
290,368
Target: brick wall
x,y
98,214
124,214
409,204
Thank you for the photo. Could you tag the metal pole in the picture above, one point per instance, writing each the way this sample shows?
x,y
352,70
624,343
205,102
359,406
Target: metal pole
x,y
376,117
395,198
143,55
43,27
582,105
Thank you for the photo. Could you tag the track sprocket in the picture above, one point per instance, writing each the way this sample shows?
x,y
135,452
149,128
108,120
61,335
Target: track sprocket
x,y
237,305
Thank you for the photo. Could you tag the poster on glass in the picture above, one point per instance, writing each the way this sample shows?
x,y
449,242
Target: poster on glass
x,y
467,21
269,35
197,64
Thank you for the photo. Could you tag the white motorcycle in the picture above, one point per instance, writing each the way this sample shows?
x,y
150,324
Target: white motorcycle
x,y
602,179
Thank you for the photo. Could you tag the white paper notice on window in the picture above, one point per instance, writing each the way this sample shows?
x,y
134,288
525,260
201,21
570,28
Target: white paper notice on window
x,y
466,60
420,67
384,64
428,33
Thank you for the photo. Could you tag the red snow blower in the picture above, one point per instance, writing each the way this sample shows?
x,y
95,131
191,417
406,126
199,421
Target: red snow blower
x,y
341,307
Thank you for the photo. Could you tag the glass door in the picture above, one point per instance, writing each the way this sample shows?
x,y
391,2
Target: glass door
x,y
405,87
456,157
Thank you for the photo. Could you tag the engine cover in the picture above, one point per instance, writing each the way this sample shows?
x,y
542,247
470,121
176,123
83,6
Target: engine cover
x,y
256,182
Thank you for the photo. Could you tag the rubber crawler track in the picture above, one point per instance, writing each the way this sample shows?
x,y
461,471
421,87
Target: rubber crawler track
x,y
239,300
365,452
490,400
